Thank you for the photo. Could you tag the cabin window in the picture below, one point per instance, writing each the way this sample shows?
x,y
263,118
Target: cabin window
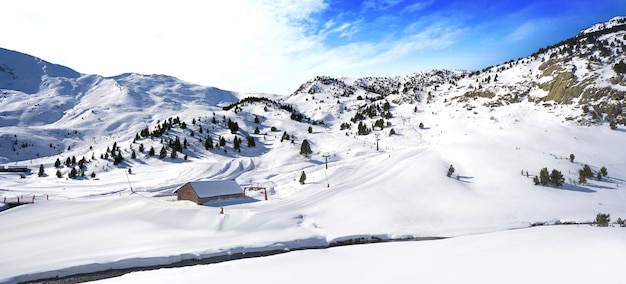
x,y
187,193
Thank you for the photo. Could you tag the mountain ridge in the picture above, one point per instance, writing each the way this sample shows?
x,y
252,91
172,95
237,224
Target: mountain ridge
x,y
577,73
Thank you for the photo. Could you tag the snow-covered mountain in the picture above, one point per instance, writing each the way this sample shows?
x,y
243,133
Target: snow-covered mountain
x,y
389,143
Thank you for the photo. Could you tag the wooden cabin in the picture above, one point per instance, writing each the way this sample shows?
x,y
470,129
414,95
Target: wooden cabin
x,y
201,192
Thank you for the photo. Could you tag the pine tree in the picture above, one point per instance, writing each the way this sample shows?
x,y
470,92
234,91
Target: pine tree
x,y
256,119
163,153
41,171
536,180
421,126
93,174
305,148
310,130
208,143
556,178
236,145
581,177
141,148
118,159
544,177
256,130
173,154
603,171
133,155
392,132
571,157
450,171
251,142
586,171
177,146
151,151
602,220
59,174
302,177
72,173
57,163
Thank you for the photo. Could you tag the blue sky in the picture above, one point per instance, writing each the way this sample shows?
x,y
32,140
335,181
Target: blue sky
x,y
274,46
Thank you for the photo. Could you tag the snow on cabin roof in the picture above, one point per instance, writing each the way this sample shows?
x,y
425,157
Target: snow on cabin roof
x,y
216,187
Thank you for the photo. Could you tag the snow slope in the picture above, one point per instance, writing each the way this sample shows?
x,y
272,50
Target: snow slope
x,y
536,255
496,142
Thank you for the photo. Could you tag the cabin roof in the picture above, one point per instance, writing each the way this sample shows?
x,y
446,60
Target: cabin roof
x,y
213,188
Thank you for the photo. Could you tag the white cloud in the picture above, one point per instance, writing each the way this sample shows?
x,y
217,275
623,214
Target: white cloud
x,y
417,6
241,45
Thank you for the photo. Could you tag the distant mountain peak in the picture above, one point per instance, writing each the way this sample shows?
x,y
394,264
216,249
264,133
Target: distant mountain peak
x,y
614,22
25,73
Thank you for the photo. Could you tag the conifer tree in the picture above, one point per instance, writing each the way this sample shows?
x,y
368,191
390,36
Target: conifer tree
x,y
41,171
236,145
581,177
208,143
141,148
151,151
602,220
305,148
544,177
59,174
310,130
302,177
556,178
571,157
133,155
251,142
118,159
173,154
177,146
586,171
603,171
163,153
450,171
57,163
72,173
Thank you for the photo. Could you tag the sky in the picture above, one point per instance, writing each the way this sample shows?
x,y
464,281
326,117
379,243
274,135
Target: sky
x,y
274,46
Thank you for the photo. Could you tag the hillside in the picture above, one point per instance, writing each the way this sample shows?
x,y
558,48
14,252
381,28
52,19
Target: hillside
x,y
389,141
